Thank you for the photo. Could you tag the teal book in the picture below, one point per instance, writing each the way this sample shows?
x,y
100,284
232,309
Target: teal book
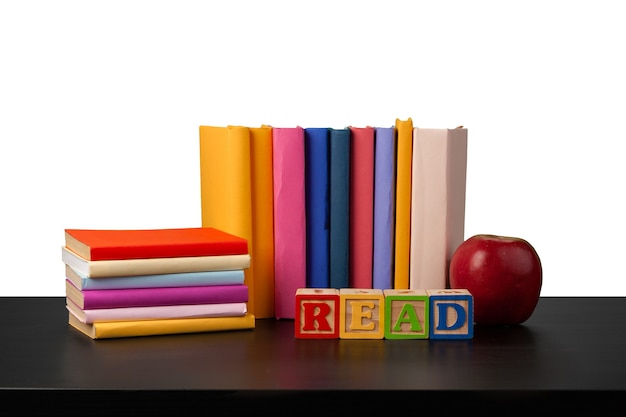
x,y
339,262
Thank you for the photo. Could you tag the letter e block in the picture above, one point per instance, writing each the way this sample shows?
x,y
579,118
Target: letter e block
x,y
317,313
406,314
361,313
451,314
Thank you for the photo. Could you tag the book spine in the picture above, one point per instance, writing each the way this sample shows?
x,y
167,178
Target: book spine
x,y
339,262
144,297
384,208
262,247
317,207
136,328
404,158
155,266
189,279
438,204
361,206
289,217
167,251
225,185
161,312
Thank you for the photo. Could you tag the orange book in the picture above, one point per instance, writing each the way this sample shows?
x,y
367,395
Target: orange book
x,y
404,159
262,220
237,196
225,186
103,245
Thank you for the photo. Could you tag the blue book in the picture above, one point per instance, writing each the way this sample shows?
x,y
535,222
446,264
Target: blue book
x,y
317,190
339,207
384,207
186,279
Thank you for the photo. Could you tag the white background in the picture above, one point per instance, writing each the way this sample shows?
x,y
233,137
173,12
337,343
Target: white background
x,y
100,104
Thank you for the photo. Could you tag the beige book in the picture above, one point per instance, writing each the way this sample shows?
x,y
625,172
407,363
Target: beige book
x,y
437,204
149,266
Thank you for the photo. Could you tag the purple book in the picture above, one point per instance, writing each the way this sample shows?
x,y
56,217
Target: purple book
x,y
384,208
161,296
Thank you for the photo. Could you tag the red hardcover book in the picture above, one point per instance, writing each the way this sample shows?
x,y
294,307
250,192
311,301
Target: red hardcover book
x,y
361,206
100,245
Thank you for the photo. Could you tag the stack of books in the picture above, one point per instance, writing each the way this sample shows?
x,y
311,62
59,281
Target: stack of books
x,y
123,283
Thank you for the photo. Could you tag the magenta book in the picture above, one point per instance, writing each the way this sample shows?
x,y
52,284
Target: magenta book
x,y
161,296
288,153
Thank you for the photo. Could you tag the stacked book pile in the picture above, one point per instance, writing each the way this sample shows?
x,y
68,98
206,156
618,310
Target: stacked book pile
x,y
122,283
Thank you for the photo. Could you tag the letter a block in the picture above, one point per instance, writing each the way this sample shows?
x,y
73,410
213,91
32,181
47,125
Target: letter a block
x,y
406,314
317,313
362,313
451,314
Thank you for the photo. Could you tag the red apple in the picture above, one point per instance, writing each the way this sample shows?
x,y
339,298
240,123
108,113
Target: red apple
x,y
502,273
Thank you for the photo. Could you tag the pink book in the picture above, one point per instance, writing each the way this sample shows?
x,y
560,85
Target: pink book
x,y
161,296
289,218
361,206
157,312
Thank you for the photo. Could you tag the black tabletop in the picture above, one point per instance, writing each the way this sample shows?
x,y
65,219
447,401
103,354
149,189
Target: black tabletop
x,y
571,354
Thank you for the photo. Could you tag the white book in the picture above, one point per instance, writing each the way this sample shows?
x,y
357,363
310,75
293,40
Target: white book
x,y
438,181
150,266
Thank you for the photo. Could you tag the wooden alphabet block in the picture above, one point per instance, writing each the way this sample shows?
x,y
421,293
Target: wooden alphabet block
x,y
451,314
361,313
406,314
317,313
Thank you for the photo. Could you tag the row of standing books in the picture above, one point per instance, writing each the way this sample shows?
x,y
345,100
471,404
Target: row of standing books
x,y
321,207
123,283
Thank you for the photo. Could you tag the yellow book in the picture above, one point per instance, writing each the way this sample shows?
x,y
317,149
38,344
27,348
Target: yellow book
x,y
404,129
226,189
134,328
262,220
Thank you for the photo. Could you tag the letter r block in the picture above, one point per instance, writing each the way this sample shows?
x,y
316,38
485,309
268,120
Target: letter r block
x,y
406,314
362,313
451,314
317,313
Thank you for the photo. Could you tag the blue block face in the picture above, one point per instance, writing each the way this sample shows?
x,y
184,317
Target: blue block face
x,y
451,314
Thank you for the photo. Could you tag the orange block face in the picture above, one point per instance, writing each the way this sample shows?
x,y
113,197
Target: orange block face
x,y
362,313
317,313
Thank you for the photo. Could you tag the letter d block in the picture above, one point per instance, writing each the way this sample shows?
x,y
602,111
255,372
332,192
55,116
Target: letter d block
x,y
317,313
451,314
406,314
361,313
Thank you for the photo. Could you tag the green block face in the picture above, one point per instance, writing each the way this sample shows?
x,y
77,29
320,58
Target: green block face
x,y
407,317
